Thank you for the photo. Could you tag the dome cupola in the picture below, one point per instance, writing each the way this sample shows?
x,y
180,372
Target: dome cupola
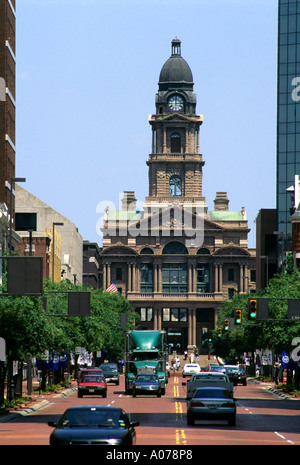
x,y
175,73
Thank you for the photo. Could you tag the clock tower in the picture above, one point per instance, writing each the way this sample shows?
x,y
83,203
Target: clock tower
x,y
175,164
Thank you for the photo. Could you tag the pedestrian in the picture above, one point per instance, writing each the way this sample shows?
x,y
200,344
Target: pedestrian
x,y
276,373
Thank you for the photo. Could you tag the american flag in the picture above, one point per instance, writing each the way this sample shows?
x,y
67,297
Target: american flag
x,y
112,288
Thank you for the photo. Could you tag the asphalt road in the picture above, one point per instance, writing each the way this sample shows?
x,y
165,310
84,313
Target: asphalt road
x,y
263,418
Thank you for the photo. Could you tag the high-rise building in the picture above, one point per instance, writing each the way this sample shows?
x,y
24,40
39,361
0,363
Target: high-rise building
x,y
7,100
288,114
175,261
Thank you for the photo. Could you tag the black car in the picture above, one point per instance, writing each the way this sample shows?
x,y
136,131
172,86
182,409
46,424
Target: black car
x,y
111,373
236,374
93,424
146,384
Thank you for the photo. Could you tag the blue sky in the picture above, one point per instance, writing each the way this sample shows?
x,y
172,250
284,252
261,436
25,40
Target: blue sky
x,y
87,75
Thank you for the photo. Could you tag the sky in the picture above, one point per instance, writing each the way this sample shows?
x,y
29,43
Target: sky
x,y
87,76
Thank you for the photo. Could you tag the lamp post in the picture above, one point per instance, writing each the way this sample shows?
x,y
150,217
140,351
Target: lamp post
x,y
12,180
267,268
53,226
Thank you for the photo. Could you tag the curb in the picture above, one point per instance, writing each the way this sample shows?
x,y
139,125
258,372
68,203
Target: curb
x,y
281,394
35,407
274,390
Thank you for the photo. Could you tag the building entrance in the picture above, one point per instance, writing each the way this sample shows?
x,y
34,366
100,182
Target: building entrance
x,y
176,339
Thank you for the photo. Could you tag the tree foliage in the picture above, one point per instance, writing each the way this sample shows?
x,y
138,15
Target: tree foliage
x,y
30,327
277,333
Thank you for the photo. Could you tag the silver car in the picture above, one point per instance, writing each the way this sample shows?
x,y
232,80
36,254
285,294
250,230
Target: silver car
x,y
211,403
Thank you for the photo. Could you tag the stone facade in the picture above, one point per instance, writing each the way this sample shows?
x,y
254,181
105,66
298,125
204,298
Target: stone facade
x,y
67,240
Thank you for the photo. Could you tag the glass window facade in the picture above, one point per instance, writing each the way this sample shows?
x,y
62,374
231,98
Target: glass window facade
x,y
175,186
288,109
175,314
174,277
203,277
146,277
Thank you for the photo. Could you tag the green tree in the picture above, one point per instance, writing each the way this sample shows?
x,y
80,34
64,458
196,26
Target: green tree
x,y
277,333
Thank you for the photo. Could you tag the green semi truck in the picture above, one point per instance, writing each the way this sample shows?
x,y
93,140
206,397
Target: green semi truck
x,y
145,353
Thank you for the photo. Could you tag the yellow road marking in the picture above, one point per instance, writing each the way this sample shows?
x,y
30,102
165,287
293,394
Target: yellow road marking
x,y
180,436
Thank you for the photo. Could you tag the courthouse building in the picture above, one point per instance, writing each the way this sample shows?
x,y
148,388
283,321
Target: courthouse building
x,y
175,261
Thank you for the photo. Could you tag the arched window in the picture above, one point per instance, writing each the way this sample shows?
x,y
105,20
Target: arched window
x,y
175,142
203,251
175,248
175,186
146,251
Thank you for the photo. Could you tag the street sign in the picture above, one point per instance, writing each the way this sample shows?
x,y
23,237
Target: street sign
x,y
123,317
2,350
25,275
294,309
79,303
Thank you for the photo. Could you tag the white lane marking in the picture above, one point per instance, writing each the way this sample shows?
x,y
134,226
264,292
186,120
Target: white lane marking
x,y
283,437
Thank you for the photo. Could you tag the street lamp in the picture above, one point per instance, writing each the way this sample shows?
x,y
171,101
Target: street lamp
x,y
12,180
53,226
267,268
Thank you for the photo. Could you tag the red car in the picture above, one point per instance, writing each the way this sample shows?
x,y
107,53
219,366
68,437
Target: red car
x,y
92,385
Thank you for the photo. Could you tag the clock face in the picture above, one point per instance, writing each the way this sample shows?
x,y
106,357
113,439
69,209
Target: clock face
x,y
176,103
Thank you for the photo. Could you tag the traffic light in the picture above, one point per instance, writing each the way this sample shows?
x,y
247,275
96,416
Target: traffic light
x,y
226,324
252,309
209,337
238,317
219,332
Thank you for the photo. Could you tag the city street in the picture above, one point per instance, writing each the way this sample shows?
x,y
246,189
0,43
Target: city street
x,y
263,418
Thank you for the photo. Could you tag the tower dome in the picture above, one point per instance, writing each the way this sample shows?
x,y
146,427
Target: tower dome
x,y
175,73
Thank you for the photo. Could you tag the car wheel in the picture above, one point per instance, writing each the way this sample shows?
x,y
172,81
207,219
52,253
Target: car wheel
x,y
159,394
133,394
104,394
80,395
190,421
232,421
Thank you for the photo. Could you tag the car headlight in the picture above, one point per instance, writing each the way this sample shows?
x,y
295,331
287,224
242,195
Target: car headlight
x,y
113,442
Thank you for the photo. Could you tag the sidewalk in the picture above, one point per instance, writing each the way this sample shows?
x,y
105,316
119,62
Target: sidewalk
x,y
37,400
271,387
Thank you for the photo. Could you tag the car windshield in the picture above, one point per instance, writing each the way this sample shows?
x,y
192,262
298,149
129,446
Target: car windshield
x,y
209,377
90,372
92,379
93,417
109,368
212,394
147,379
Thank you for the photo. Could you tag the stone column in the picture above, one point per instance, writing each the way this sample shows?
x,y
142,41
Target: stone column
x,y
194,325
129,278
216,277
241,278
190,323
